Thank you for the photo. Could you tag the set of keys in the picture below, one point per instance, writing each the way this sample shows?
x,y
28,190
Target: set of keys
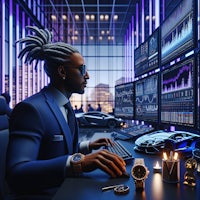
x,y
118,189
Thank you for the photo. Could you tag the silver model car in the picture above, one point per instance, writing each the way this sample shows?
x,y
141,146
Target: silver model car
x,y
157,141
96,118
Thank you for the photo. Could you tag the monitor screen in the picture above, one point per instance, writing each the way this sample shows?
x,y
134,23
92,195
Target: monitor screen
x,y
177,94
153,62
124,100
146,99
198,91
177,34
141,59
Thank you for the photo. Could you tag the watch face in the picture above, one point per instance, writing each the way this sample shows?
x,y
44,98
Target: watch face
x,y
139,172
77,158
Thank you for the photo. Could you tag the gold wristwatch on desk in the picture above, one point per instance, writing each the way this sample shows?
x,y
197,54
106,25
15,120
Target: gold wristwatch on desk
x,y
139,173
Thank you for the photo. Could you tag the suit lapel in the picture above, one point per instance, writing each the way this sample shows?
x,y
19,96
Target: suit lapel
x,y
61,120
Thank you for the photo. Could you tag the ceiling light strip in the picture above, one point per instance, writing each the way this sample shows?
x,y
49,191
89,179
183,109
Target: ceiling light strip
x,y
112,24
84,14
124,20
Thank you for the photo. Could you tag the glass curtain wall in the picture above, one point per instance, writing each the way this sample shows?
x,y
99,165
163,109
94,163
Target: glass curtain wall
x,y
18,79
105,62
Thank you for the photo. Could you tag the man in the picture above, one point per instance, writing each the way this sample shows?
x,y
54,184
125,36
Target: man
x,y
99,107
90,108
43,144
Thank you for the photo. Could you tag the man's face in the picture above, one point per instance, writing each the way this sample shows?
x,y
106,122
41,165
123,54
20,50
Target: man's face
x,y
76,75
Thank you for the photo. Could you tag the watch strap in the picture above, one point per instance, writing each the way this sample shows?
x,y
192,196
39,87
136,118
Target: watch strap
x,y
140,184
139,161
77,168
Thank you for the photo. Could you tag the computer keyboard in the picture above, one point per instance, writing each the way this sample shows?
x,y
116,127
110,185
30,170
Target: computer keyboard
x,y
120,150
131,132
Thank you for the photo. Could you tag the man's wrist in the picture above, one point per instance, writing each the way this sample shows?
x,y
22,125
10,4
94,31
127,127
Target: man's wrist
x,y
76,161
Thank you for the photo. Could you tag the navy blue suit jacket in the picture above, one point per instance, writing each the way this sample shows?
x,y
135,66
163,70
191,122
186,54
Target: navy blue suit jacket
x,y
40,142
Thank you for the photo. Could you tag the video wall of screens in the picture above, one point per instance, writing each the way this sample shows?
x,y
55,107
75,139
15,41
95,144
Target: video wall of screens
x,y
124,100
177,93
177,32
146,99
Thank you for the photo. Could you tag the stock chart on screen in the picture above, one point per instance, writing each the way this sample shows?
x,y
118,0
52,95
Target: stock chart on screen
x,y
177,32
146,98
177,94
124,100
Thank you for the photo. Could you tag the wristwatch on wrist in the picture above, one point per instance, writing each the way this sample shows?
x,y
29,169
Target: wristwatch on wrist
x,y
76,162
139,173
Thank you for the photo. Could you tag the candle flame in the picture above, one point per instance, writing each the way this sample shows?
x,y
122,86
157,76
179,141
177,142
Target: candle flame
x,y
175,156
165,156
157,165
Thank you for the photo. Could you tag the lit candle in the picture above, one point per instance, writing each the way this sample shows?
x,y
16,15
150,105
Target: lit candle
x,y
175,156
157,168
165,156
171,167
198,167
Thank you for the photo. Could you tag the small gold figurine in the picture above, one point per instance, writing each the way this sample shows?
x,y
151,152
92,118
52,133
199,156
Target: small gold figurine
x,y
189,177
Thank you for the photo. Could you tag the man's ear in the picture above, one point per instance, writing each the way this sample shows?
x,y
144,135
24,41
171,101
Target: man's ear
x,y
62,72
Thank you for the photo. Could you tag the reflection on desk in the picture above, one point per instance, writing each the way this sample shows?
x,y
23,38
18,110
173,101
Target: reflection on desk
x,y
88,186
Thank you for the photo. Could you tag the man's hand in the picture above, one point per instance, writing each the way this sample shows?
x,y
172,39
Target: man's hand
x,y
106,161
100,143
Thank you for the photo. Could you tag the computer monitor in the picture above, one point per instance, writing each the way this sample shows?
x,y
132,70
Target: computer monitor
x,y
198,92
177,32
146,99
141,58
124,100
177,93
154,50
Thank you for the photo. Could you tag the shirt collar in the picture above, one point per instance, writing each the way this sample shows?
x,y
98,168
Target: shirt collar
x,y
59,97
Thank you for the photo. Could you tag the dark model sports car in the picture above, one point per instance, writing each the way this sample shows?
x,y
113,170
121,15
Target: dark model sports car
x,y
158,141
96,118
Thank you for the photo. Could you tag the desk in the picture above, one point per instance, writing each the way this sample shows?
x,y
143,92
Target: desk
x,y
88,187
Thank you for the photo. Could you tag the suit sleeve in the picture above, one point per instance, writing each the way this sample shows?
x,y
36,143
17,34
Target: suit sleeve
x,y
24,170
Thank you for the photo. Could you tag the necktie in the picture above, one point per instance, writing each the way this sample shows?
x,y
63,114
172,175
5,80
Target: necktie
x,y
70,117
72,126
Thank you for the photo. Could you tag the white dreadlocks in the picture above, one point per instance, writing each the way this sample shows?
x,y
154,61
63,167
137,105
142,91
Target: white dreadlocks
x,y
39,46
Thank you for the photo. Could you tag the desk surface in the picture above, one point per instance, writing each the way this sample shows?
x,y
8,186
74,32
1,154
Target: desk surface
x,y
89,185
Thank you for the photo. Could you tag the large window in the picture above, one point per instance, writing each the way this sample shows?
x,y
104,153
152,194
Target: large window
x,y
105,66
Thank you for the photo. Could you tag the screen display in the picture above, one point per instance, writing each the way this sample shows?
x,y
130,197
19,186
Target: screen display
x,y
177,32
153,50
147,54
177,94
124,100
141,59
146,99
198,92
